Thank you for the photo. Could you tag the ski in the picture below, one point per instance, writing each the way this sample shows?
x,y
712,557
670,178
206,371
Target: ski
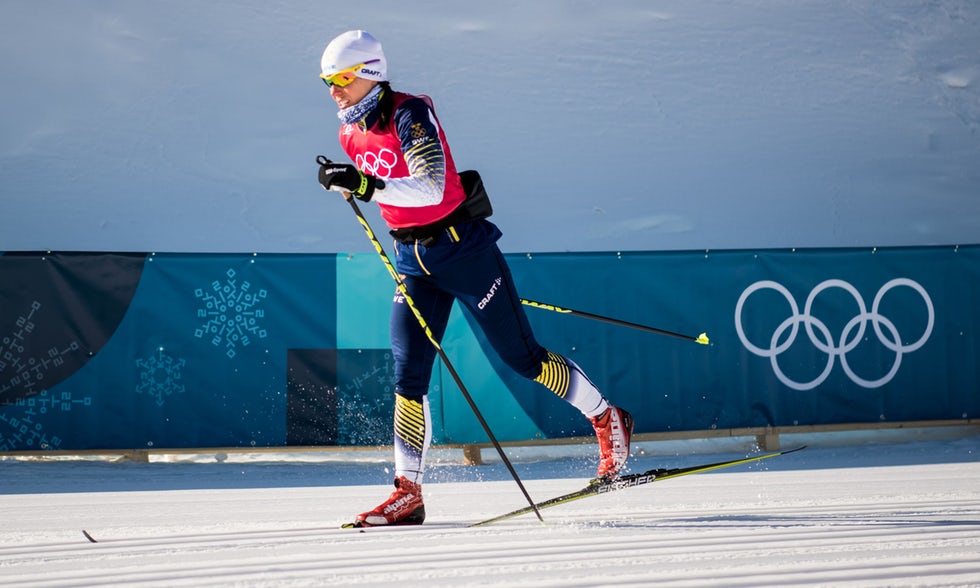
x,y
597,487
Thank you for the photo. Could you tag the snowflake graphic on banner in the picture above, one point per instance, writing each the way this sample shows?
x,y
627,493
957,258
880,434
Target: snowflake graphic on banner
x,y
24,428
17,370
160,376
230,312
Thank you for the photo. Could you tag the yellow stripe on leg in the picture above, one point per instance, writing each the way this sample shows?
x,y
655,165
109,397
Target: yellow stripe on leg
x,y
410,422
555,375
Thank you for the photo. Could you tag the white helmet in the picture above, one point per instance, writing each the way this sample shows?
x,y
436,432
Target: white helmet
x,y
355,48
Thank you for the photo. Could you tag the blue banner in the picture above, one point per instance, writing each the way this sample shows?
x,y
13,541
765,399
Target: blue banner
x,y
110,351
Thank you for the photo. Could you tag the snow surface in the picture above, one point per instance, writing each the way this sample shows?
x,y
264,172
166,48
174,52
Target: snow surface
x,y
847,511
634,125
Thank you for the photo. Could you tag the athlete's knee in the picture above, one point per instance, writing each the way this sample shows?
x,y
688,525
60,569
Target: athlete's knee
x,y
409,394
528,364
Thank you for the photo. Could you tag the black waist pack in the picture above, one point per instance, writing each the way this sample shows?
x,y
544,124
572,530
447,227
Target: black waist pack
x,y
476,206
477,203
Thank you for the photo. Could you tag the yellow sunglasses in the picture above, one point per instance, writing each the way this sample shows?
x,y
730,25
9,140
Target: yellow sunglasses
x,y
344,77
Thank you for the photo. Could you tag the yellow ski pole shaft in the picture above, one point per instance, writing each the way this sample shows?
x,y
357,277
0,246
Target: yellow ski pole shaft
x,y
702,338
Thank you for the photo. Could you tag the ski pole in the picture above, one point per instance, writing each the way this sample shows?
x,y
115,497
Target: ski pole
x,y
432,339
702,338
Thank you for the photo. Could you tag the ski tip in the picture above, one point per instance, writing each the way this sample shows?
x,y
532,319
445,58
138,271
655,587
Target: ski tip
x,y
356,525
703,339
89,537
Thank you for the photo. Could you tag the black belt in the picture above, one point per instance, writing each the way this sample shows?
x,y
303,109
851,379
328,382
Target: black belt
x,y
428,235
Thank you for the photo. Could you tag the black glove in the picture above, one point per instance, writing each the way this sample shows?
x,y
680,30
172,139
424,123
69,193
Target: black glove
x,y
347,177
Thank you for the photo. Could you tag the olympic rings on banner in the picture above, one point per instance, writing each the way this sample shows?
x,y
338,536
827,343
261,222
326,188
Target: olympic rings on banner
x,y
377,164
821,337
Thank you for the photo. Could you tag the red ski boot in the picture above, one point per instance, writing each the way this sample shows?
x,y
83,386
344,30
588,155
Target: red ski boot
x,y
614,429
403,507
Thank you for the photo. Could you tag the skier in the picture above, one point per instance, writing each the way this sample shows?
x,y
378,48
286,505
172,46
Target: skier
x,y
446,250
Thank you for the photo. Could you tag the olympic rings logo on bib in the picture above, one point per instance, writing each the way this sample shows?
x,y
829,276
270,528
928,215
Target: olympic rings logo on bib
x,y
820,336
377,164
